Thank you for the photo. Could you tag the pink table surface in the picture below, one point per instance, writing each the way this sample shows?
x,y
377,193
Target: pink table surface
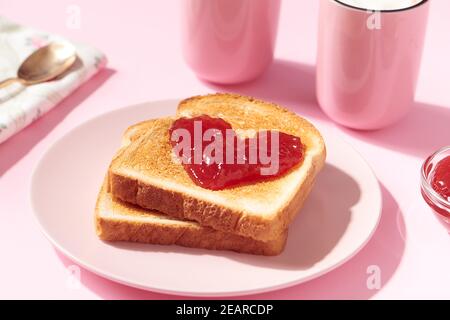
x,y
141,40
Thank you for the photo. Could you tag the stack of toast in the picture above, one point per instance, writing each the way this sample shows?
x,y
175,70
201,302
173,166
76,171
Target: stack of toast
x,y
148,197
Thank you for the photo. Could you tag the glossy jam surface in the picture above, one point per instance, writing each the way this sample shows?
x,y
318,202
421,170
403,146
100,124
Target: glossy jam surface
x,y
235,160
441,178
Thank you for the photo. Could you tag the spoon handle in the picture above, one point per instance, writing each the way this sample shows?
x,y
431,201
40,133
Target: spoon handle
x,y
8,82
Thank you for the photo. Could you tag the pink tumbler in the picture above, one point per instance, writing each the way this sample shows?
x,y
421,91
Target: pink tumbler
x,y
368,62
229,41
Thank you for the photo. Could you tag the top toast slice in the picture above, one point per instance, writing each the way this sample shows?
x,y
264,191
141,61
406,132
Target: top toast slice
x,y
146,174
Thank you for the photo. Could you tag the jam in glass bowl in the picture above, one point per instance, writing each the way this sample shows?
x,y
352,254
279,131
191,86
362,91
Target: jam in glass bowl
x,y
435,184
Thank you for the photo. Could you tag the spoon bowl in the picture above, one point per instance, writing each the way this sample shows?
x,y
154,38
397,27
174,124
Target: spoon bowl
x,y
47,63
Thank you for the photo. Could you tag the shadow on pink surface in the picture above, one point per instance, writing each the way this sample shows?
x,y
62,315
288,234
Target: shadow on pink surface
x,y
349,281
384,251
425,129
23,142
288,83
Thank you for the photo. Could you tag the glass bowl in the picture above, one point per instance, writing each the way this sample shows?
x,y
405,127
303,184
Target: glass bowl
x,y
437,203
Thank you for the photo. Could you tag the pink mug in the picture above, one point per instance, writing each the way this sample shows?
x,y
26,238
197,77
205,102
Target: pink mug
x,y
368,62
229,41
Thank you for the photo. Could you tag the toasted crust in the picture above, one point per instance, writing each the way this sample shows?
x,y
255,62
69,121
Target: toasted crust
x,y
136,131
118,221
146,175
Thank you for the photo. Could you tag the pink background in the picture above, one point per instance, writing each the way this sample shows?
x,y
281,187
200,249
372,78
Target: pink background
x,y
142,43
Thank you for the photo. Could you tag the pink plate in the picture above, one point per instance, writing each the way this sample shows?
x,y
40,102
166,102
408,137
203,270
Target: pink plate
x,y
338,219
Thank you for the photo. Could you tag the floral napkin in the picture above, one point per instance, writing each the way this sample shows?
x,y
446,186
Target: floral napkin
x,y
20,105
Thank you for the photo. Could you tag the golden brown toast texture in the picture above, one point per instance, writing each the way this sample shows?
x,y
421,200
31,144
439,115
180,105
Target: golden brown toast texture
x,y
146,175
118,221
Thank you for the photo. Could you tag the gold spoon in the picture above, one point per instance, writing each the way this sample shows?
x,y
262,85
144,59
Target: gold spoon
x,y
44,64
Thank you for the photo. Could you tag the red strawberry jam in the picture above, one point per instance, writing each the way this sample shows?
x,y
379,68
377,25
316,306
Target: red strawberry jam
x,y
216,157
441,178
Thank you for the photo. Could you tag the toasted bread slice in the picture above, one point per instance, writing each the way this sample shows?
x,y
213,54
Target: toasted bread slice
x,y
136,131
145,173
119,221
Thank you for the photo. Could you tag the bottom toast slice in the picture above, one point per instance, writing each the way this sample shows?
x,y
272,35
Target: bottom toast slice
x,y
119,221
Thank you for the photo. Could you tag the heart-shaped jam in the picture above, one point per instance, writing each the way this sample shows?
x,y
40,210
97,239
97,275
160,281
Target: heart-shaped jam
x,y
216,157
